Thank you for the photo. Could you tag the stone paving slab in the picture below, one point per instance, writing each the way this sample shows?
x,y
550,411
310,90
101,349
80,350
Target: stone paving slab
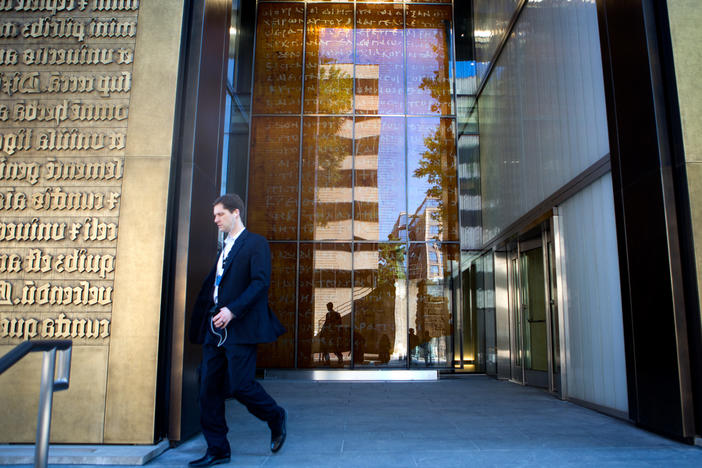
x,y
84,454
473,421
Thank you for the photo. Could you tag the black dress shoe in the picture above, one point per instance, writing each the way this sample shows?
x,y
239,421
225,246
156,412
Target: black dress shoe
x,y
209,460
278,437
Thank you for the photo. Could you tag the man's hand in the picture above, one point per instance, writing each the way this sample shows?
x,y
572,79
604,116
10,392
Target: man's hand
x,y
222,319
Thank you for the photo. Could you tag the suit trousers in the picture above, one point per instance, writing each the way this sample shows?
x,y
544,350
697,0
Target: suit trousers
x,y
230,371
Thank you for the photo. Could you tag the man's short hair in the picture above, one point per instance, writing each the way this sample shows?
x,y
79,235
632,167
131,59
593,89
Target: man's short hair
x,y
231,202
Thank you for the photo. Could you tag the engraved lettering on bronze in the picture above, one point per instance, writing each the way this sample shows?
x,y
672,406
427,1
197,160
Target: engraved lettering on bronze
x,y
55,199
18,328
66,110
104,85
18,171
61,327
5,293
83,55
20,140
101,170
34,230
77,260
54,28
8,56
115,5
65,87
82,294
278,62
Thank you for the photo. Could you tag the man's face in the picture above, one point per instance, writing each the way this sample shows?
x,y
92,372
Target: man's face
x,y
223,218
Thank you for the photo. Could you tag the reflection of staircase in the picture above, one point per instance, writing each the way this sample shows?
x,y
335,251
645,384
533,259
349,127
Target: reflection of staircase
x,y
345,309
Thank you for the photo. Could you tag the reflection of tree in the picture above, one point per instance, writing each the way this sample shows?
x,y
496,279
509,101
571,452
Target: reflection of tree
x,y
438,160
334,88
438,86
438,166
391,261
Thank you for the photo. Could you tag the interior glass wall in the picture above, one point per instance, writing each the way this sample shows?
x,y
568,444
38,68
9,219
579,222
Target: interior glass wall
x,y
238,97
545,199
478,349
542,111
352,176
593,323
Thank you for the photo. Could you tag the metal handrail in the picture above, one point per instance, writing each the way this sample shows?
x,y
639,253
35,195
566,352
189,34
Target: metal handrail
x,y
54,377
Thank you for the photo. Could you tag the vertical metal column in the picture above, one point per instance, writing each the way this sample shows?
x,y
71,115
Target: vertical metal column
x,y
406,143
502,315
296,346
352,319
548,303
561,300
46,394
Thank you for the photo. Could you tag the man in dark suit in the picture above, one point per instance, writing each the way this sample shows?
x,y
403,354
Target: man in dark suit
x,y
231,316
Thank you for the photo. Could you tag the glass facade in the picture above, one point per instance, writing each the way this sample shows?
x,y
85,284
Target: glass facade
x,y
351,173
542,110
533,171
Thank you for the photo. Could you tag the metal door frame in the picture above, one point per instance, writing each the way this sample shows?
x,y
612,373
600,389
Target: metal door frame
x,y
547,246
560,301
502,320
514,295
535,378
548,241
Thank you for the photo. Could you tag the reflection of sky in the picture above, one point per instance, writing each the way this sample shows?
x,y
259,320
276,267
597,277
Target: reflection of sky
x,y
426,49
466,83
335,45
388,57
417,131
465,69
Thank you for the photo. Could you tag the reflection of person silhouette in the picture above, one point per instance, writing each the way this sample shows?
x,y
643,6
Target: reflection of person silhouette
x,y
384,349
359,347
331,335
426,348
413,343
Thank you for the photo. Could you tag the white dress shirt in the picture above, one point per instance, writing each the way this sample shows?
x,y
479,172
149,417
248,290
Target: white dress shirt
x,y
228,243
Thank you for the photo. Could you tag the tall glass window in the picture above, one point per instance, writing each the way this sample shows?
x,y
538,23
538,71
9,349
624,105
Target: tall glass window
x,y
352,176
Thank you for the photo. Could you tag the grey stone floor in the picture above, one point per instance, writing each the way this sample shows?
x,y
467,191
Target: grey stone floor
x,y
473,421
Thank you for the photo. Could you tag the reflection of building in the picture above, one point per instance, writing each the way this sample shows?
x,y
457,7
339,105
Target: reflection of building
x,y
430,312
375,299
424,226
367,84
351,184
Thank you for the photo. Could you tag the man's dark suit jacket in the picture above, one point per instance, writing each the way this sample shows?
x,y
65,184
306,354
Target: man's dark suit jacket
x,y
244,290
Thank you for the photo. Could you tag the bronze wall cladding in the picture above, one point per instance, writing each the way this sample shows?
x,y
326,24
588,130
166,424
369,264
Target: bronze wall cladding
x,y
76,182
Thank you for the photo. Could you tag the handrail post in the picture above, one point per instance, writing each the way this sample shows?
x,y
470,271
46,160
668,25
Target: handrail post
x,y
46,393
54,350
63,369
